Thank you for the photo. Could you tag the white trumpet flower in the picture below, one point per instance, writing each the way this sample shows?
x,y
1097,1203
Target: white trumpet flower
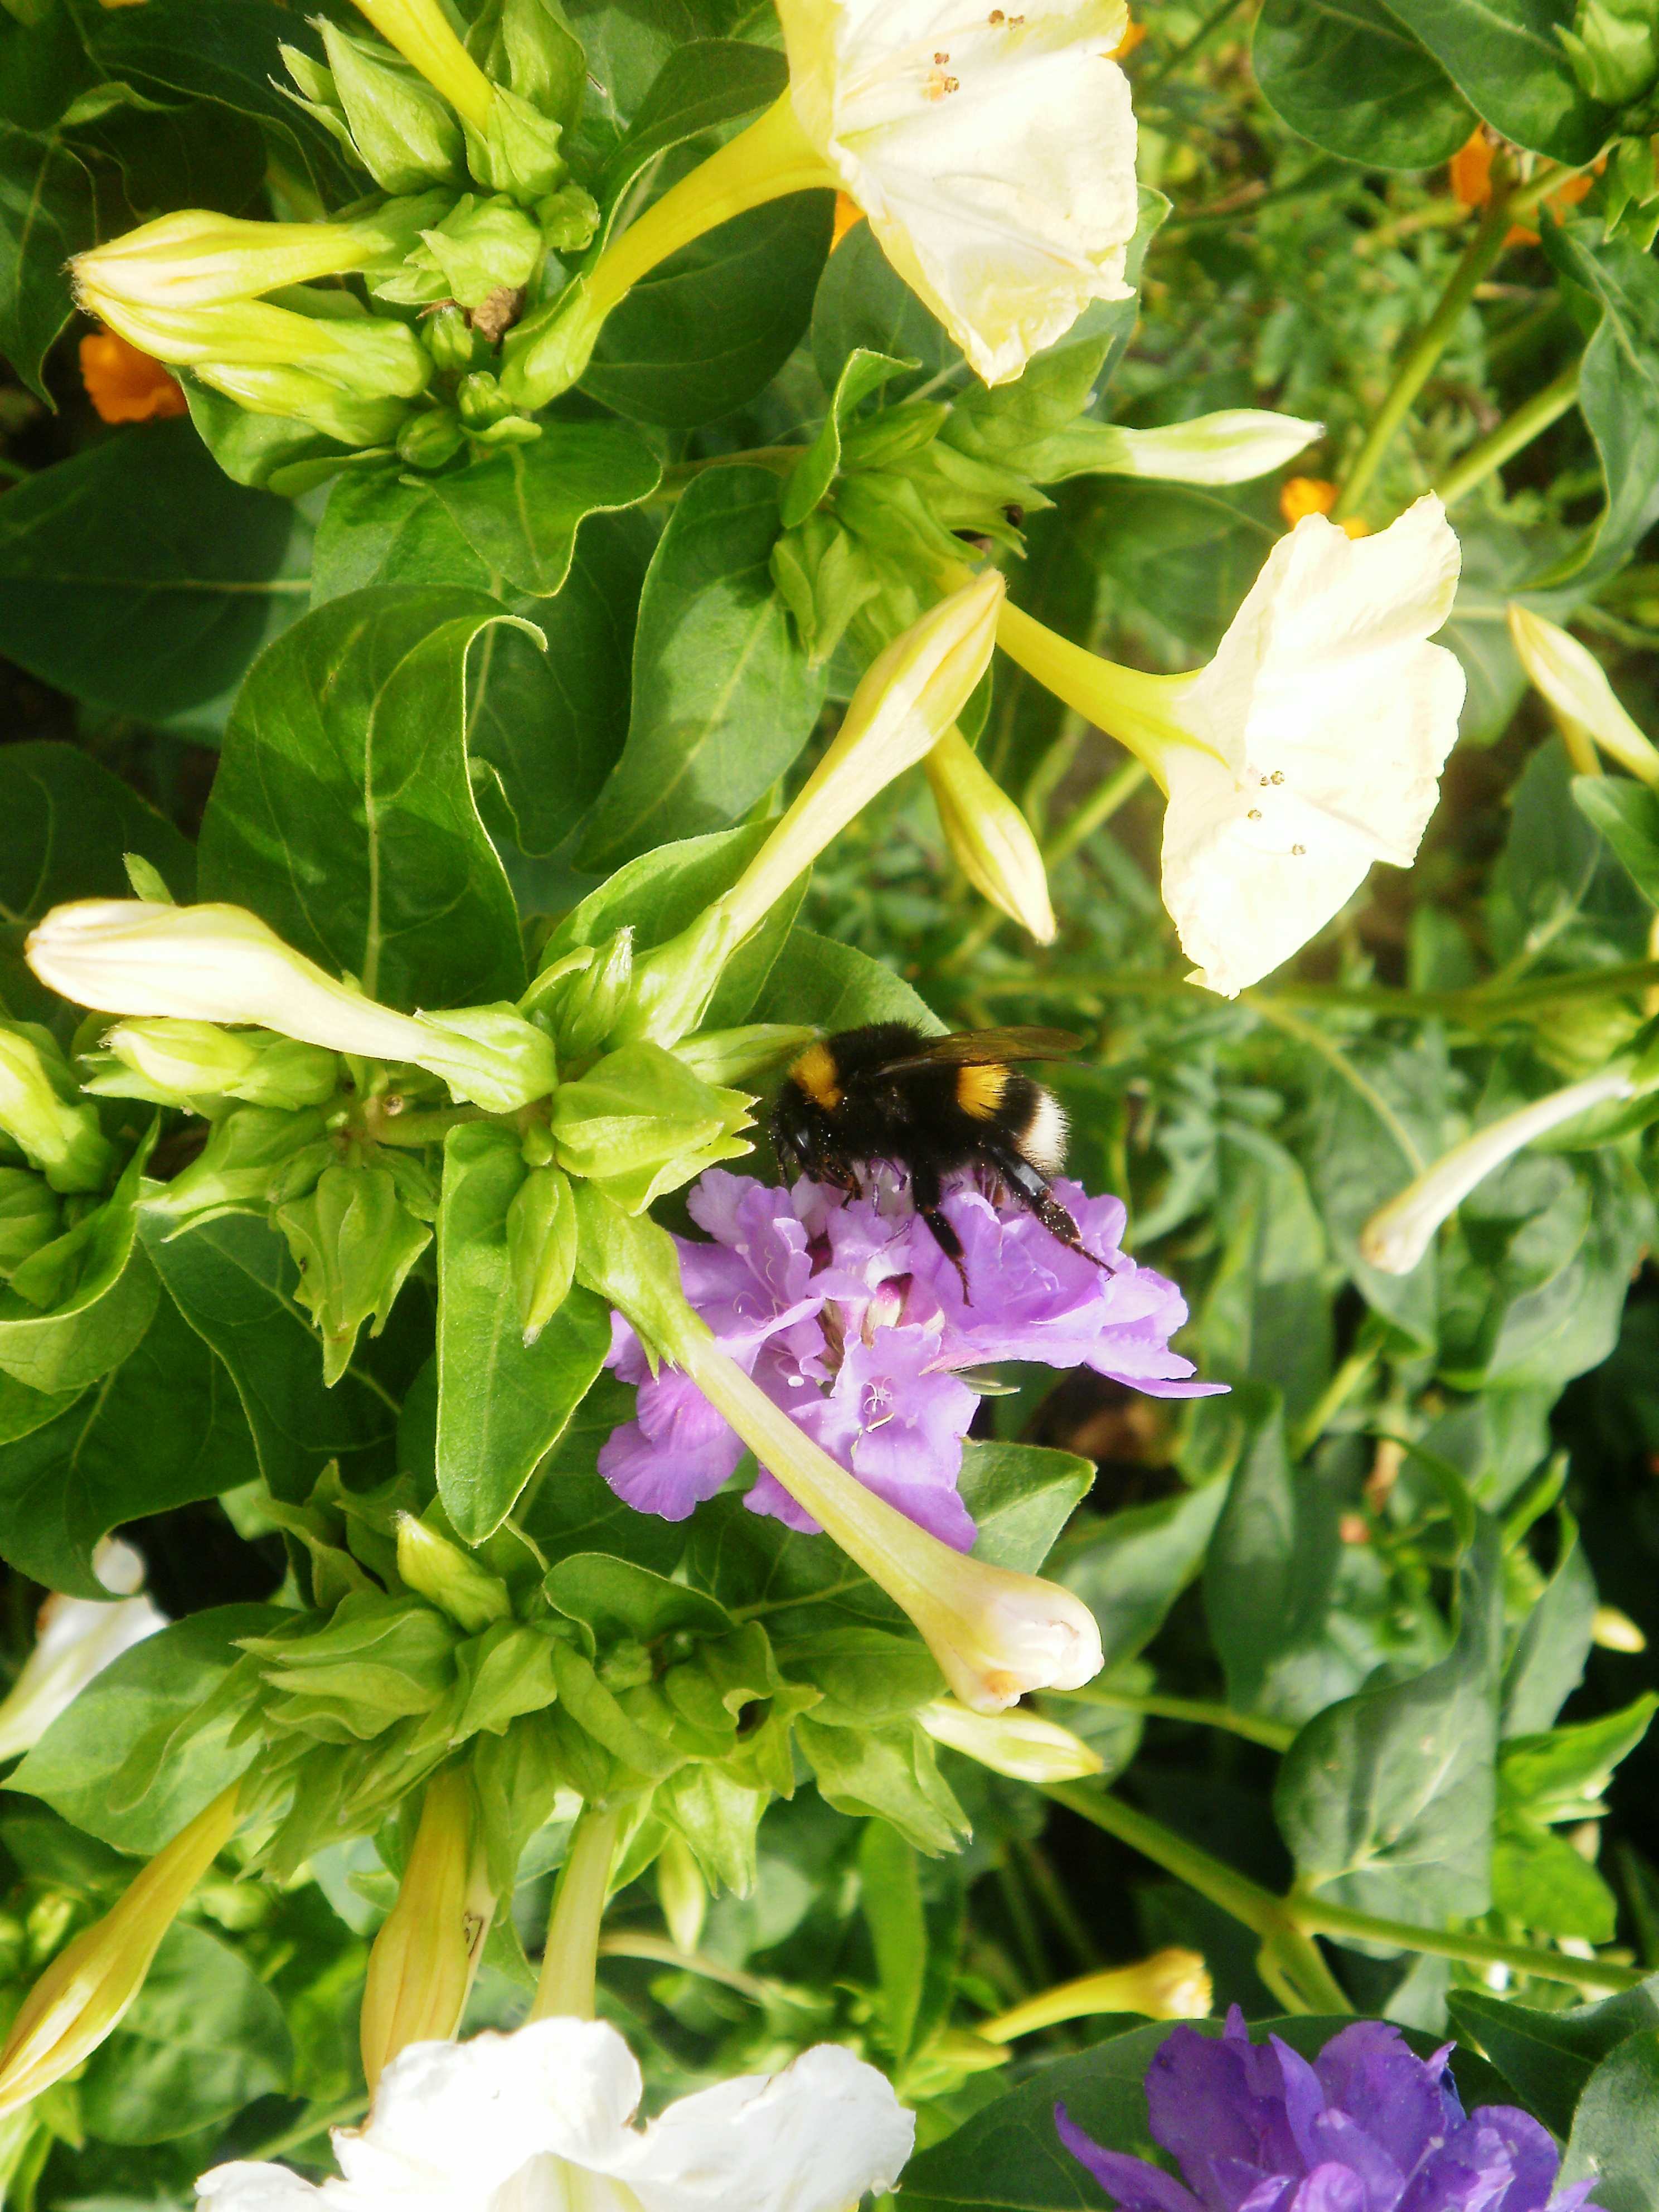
x,y
78,1638
540,2120
1311,746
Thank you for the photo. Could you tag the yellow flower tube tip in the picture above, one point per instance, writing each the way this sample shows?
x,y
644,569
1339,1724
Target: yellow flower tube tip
x,y
421,32
83,1994
1171,1985
989,838
1019,1744
1579,695
422,1964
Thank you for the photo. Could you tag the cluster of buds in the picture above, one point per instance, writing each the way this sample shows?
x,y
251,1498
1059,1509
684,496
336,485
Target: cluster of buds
x,y
480,208
1613,47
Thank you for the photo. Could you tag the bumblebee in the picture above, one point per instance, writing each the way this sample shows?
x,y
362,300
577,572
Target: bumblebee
x,y
932,1106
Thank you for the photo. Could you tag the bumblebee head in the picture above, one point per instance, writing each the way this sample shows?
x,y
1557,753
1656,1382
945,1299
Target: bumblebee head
x,y
809,1094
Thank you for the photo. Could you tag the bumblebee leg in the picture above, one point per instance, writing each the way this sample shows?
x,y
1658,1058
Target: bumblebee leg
x,y
925,1191
1030,1186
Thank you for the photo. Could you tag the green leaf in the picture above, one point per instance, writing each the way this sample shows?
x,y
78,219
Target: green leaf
x,y
1618,393
1021,1496
1627,814
1548,2057
46,214
1178,559
834,987
1553,1643
165,1429
890,1771
864,304
723,697
708,331
234,1283
105,1315
204,2037
518,508
619,1598
1613,2142
890,1891
699,86
1130,1567
1348,75
147,1693
138,577
1388,1797
1505,59
574,1509
344,814
501,1405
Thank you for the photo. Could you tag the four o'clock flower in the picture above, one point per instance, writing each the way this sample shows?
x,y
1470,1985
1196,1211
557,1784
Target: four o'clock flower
x,y
427,1953
1019,1744
989,837
1310,747
1580,697
1172,1985
543,2117
78,1638
993,150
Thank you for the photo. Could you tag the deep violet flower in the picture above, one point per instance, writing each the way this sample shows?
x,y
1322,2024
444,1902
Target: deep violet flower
x,y
1367,2127
848,1315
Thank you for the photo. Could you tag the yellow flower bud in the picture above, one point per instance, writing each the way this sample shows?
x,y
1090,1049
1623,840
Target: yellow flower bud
x,y
198,259
420,31
1021,1745
1580,697
1612,1630
450,1578
1172,1985
83,1994
421,1969
991,838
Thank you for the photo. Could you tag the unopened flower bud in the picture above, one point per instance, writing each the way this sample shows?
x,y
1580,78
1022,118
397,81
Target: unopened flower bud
x,y
221,963
405,135
421,1969
1613,47
30,1216
479,400
569,218
1233,447
517,151
450,339
1398,1235
586,1010
541,1244
542,58
431,439
1580,697
421,32
354,1241
296,395
197,258
910,695
368,358
1614,1630
451,1578
1172,1985
175,1063
1021,1745
81,1998
61,1138
681,1891
990,838
254,1157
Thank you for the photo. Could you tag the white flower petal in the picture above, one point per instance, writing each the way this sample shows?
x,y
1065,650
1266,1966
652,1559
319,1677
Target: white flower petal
x,y
246,2187
1322,726
993,151
77,1638
811,2139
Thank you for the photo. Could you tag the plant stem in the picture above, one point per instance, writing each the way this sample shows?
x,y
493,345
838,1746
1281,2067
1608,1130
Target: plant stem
x,y
303,2131
1472,1006
1413,372
1276,1735
1274,1919
1530,421
1207,30
565,1987
660,1951
1097,809
1337,1392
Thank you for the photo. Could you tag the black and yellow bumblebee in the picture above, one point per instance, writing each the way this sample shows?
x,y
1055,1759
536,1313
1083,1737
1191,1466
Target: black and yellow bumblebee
x,y
932,1106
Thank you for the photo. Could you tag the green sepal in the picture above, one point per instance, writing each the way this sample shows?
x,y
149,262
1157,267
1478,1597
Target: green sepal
x,y
353,1240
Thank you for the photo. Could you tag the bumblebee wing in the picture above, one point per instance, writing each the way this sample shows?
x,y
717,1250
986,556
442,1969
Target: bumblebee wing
x,y
985,1047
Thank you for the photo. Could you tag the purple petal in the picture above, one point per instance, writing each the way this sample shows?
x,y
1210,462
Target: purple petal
x,y
1330,2189
1405,2104
1499,2161
1136,2183
675,1452
1304,2099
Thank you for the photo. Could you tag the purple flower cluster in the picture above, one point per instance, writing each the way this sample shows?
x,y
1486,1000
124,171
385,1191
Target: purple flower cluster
x,y
848,1315
1367,2127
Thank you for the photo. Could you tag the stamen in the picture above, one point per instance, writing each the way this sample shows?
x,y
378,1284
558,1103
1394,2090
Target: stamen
x,y
1297,851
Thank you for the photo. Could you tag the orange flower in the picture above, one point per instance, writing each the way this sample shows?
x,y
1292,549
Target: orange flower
x,y
1125,45
1300,496
1469,170
848,216
126,385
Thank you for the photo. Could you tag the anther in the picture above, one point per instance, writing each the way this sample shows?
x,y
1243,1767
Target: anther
x,y
1255,815
941,57
953,84
1277,776
1297,851
996,16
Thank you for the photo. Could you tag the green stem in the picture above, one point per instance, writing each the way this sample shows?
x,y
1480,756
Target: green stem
x,y
1337,1392
1277,1918
1205,31
679,476
1530,421
1276,1735
1096,811
1474,1006
660,1951
305,2131
1416,367
565,1987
